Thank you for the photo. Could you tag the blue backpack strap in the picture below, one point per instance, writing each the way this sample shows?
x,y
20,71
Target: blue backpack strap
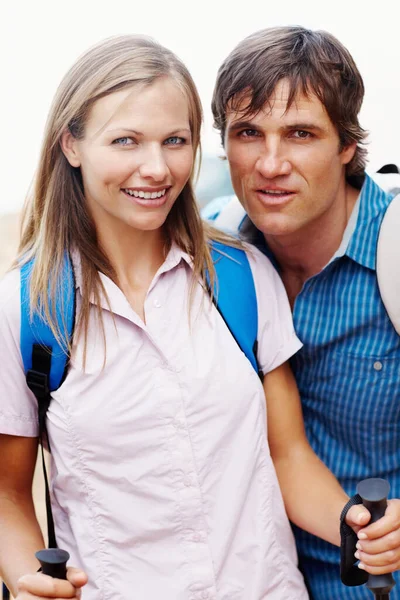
x,y
235,297
36,333
45,359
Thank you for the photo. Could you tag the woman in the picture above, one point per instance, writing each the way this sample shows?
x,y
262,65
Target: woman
x,y
163,484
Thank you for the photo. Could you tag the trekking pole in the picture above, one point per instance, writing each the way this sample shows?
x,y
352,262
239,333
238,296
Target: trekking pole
x,y
53,562
374,493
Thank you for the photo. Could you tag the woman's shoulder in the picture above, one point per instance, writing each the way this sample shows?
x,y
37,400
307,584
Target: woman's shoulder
x,y
10,286
277,340
10,295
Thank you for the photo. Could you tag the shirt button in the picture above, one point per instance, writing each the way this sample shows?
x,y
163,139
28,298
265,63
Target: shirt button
x,y
157,303
187,481
378,366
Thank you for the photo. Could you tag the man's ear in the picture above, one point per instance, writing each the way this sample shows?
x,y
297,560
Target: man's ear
x,y
348,153
69,146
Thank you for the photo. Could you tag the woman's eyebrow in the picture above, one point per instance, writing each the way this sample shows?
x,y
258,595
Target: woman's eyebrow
x,y
125,129
139,133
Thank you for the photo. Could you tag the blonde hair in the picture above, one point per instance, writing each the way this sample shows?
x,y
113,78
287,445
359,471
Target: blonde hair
x,y
56,219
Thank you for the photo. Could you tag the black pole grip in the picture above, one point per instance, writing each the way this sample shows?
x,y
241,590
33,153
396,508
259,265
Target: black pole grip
x,y
53,562
374,493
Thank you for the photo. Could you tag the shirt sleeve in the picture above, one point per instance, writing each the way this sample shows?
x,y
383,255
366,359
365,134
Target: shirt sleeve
x,y
18,405
277,339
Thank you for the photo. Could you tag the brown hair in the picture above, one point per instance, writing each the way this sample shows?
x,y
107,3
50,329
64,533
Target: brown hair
x,y
311,61
56,218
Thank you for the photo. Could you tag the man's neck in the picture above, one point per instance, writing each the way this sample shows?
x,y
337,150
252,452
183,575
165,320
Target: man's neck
x,y
305,253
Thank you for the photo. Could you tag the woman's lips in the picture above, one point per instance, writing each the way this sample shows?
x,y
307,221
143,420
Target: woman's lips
x,y
147,202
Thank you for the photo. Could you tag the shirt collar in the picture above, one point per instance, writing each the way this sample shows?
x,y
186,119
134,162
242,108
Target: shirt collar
x,y
361,234
363,238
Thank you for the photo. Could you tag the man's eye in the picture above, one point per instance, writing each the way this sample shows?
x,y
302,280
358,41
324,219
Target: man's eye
x,y
302,135
123,141
175,141
246,133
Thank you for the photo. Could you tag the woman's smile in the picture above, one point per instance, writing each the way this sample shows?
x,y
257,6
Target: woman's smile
x,y
147,198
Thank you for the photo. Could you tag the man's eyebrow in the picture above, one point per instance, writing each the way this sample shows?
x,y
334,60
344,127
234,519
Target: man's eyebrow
x,y
241,125
304,126
236,125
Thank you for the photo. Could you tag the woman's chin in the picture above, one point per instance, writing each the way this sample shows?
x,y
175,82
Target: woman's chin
x,y
147,222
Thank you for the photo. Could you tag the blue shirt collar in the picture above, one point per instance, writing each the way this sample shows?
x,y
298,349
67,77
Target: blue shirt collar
x,y
373,202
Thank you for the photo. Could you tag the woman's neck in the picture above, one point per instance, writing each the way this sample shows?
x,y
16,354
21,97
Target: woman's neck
x,y
134,255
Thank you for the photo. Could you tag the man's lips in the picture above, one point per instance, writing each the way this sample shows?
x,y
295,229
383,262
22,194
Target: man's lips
x,y
274,196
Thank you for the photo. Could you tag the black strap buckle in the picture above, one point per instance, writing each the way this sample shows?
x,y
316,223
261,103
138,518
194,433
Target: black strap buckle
x,y
38,383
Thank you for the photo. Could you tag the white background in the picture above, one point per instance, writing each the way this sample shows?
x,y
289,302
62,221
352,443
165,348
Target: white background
x,y
40,39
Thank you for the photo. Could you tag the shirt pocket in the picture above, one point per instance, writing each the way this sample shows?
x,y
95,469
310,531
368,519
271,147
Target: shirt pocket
x,y
351,406
352,396
367,388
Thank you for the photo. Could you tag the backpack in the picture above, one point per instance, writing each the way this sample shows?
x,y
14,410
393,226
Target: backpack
x,y
45,360
387,265
227,214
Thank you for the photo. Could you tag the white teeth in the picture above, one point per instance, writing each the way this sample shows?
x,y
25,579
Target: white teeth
x,y
146,195
275,192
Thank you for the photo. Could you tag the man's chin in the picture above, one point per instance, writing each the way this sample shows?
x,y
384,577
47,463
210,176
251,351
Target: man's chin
x,y
274,225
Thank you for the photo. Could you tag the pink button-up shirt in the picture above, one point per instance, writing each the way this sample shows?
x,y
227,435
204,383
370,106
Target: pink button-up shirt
x,y
163,486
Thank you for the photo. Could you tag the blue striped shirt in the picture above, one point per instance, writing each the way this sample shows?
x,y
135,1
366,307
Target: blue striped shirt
x,y
348,373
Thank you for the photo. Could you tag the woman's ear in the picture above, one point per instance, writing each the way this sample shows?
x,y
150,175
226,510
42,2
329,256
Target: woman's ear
x,y
69,146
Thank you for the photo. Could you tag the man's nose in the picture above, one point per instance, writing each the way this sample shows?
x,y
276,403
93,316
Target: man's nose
x,y
273,162
154,165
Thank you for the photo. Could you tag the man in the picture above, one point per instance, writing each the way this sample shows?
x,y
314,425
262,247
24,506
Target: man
x,y
286,102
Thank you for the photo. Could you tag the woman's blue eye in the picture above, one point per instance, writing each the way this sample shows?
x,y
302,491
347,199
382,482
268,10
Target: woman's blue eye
x,y
175,141
123,141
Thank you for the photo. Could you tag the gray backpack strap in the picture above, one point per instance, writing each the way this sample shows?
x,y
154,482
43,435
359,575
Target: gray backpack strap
x,y
387,261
